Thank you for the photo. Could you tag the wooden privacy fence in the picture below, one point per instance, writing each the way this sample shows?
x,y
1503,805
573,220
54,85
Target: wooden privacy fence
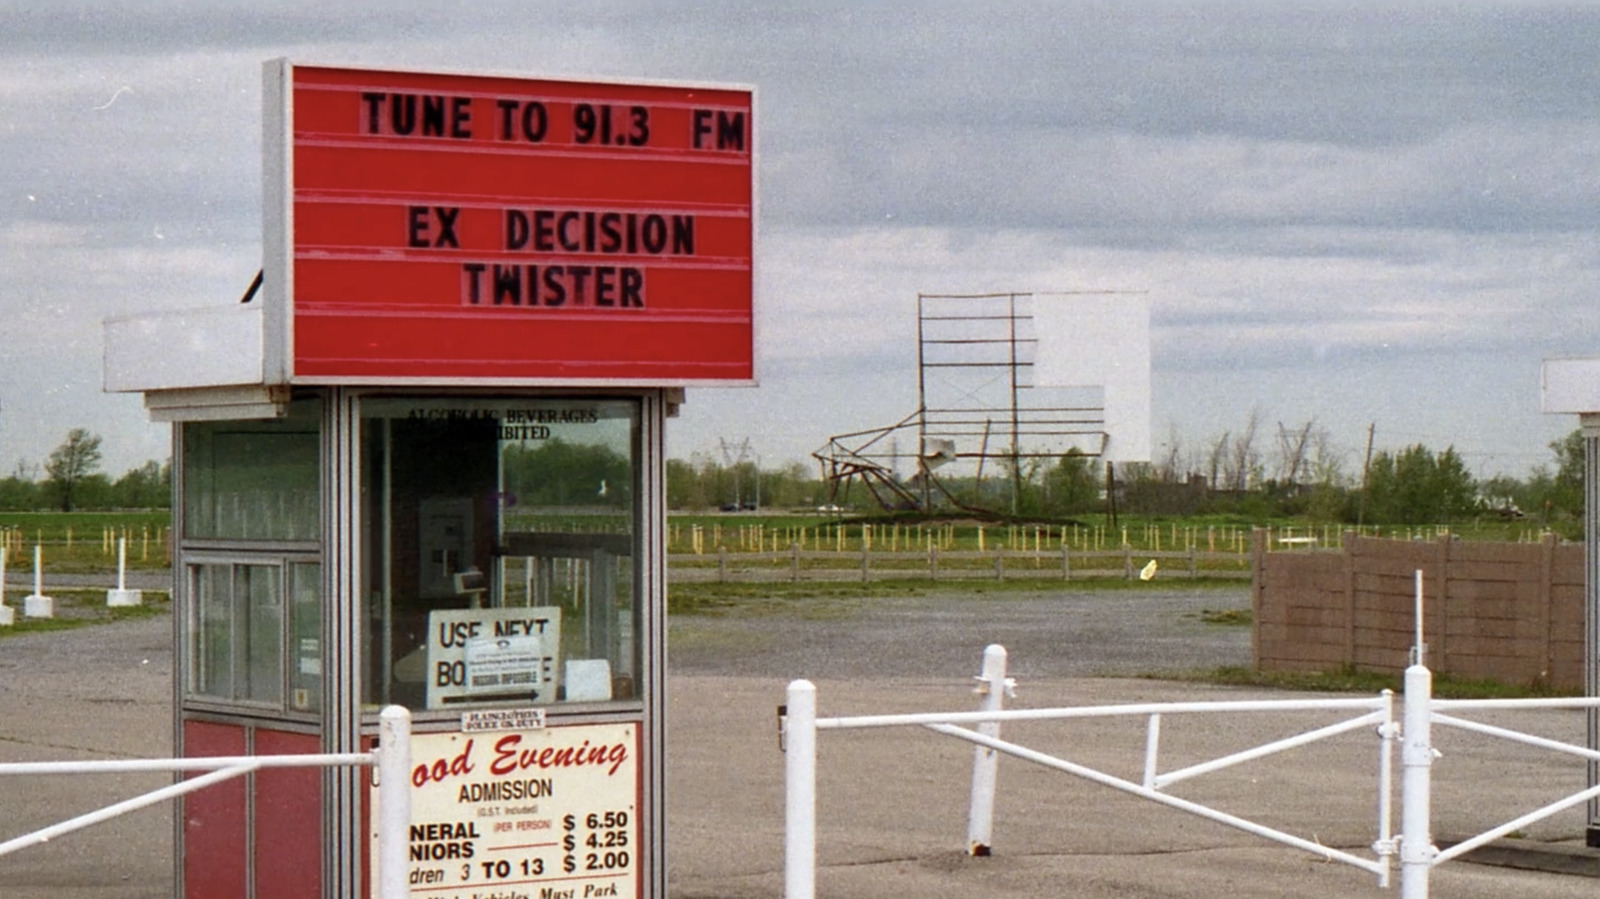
x,y
1065,563
1511,612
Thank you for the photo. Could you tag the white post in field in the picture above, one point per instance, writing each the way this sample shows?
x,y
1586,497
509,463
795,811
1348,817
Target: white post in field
x,y
36,604
8,615
122,596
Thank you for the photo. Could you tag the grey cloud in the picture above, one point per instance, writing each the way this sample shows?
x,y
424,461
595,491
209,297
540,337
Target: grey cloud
x,y
1290,181
1480,178
1159,115
160,28
1116,118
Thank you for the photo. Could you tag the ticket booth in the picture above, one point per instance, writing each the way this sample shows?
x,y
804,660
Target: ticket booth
x,y
423,465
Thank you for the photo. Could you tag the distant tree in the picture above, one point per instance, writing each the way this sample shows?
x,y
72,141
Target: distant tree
x,y
1566,487
1416,486
1454,488
147,487
684,489
559,473
1555,496
792,486
20,494
76,459
93,492
1242,459
1016,488
703,483
1328,502
1073,484
1216,462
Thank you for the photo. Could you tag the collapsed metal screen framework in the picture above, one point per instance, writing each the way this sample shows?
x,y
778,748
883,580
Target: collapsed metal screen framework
x,y
977,406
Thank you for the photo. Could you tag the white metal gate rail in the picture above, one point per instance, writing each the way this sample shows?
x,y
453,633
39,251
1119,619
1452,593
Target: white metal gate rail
x,y
1414,846
391,761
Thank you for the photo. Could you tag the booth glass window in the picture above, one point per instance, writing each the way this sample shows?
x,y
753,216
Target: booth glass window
x,y
251,497
499,542
253,480
254,634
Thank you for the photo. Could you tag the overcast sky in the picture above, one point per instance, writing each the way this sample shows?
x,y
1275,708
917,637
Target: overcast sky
x,y
1349,212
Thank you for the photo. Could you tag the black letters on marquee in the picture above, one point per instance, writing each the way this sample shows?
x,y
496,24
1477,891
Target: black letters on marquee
x,y
549,231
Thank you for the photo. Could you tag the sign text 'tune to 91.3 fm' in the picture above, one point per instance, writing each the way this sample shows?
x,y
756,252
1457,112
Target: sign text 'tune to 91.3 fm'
x,y
402,114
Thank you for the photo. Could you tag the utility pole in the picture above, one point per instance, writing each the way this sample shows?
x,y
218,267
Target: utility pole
x,y
1361,502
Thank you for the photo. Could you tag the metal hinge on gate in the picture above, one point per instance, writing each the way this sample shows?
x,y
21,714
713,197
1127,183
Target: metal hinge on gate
x,y
982,689
783,728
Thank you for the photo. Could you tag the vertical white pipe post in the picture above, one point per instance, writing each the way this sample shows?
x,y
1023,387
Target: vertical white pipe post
x,y
122,596
800,794
1420,648
1416,766
1416,763
985,761
8,616
1152,750
394,802
1385,846
36,604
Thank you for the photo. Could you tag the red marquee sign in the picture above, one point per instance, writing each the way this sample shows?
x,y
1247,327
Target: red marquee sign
x,y
481,229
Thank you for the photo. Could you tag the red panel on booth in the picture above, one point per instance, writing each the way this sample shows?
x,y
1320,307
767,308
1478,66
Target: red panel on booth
x,y
488,229
288,812
213,818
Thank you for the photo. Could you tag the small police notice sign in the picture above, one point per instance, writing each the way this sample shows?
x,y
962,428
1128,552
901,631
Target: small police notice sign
x,y
489,229
483,720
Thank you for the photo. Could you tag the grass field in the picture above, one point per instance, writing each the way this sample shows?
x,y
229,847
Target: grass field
x,y
85,541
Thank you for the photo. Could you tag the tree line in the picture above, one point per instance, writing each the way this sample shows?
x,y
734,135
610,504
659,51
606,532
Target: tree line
x,y
72,480
1232,475
1298,477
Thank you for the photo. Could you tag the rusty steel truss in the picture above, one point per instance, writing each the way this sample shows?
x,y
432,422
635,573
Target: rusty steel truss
x,y
977,407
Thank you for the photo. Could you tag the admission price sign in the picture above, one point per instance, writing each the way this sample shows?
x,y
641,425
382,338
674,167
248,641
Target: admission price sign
x,y
550,813
474,228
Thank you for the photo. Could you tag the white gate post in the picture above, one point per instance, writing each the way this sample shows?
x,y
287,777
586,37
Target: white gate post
x,y
394,801
8,615
1416,762
800,794
992,686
